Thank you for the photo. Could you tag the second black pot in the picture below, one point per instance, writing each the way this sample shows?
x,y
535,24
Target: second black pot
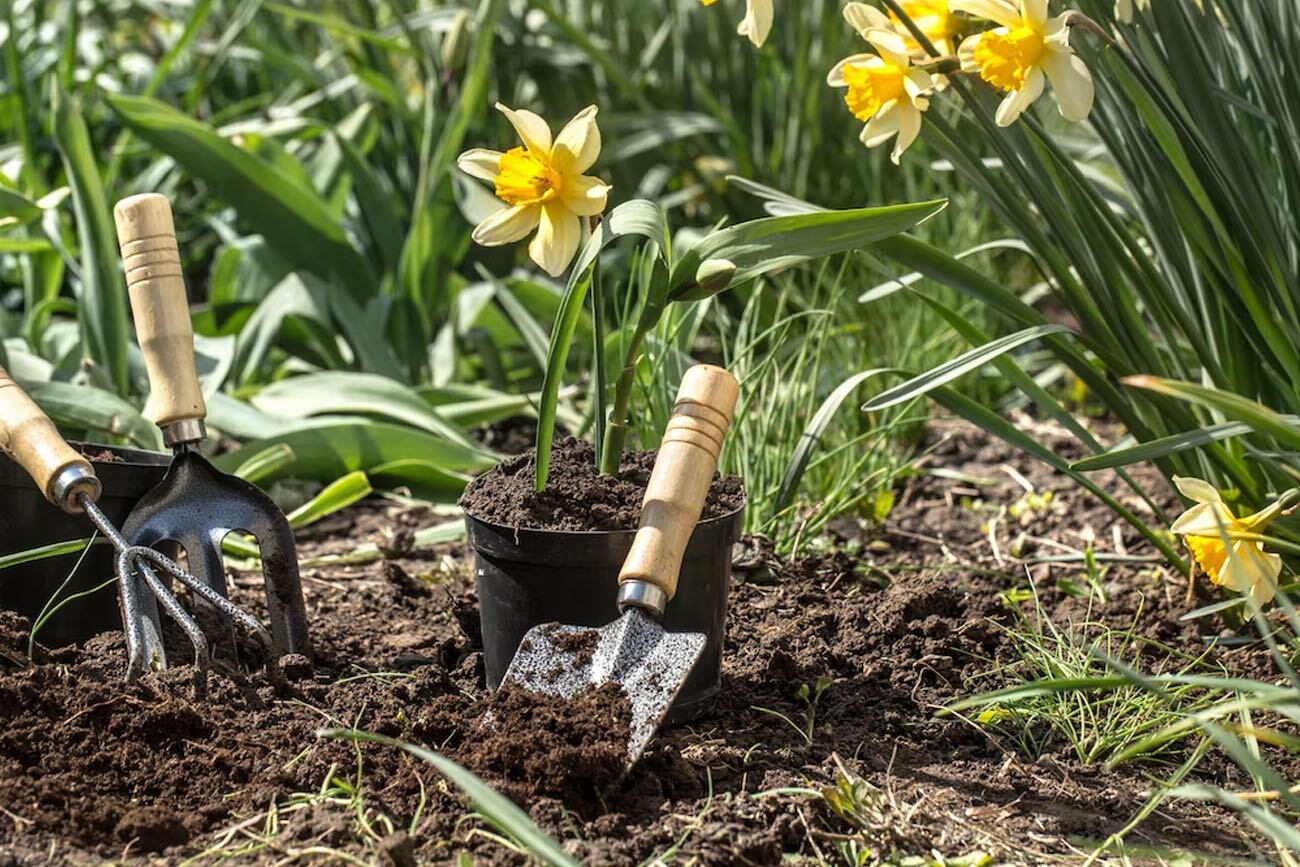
x,y
529,577
28,521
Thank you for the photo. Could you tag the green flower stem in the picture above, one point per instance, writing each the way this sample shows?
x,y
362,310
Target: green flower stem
x,y
598,346
611,451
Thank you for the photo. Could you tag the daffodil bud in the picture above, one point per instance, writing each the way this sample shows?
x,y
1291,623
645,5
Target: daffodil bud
x,y
455,44
715,275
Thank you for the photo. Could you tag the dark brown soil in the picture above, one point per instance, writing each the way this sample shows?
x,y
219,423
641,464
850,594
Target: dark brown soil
x,y
571,749
581,645
101,456
576,496
893,625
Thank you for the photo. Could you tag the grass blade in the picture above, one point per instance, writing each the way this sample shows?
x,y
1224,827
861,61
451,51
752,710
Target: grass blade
x,y
495,807
637,217
810,439
1242,409
959,366
336,496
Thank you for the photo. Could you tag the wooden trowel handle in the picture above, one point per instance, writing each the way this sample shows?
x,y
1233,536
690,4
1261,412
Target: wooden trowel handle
x,y
147,237
29,437
679,483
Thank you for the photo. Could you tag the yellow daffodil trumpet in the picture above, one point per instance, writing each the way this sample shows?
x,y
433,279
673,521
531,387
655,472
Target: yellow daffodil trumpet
x,y
542,185
1214,535
1022,54
884,90
757,23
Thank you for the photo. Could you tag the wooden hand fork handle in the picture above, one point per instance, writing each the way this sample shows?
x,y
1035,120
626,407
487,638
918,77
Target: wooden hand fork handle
x,y
29,437
147,237
679,483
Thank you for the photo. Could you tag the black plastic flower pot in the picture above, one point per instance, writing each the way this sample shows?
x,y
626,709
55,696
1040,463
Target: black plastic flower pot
x,y
28,521
529,577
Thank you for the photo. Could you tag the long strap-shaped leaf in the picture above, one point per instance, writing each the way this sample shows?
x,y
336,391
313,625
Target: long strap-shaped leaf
x,y
1234,406
291,216
957,367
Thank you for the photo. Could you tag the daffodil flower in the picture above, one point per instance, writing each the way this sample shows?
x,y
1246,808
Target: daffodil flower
x,y
884,89
1022,54
933,18
1212,534
757,23
543,186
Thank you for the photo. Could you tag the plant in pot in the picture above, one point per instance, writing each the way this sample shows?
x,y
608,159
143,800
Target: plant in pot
x,y
551,528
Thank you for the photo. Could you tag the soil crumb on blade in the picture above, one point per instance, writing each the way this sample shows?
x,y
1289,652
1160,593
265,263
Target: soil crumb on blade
x,y
577,498
572,749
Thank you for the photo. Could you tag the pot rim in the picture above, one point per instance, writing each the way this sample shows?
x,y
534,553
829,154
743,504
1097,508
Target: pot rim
x,y
594,534
137,472
130,456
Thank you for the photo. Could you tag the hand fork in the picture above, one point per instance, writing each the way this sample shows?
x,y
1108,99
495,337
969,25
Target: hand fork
x,y
68,480
195,505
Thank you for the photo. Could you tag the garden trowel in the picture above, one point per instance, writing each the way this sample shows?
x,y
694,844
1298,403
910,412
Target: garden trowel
x,y
635,652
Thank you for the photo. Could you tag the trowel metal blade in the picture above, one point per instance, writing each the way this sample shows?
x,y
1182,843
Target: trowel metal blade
x,y
634,651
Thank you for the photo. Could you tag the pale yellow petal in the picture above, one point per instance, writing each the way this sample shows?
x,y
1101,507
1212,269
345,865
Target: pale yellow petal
x,y
966,54
507,225
1252,572
1071,83
1057,31
891,45
1004,12
1204,519
835,78
862,18
1034,12
480,163
585,196
1197,490
1261,519
917,82
882,127
909,127
558,235
578,144
757,23
532,130
1018,100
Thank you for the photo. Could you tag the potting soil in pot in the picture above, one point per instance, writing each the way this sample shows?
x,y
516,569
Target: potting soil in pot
x,y
577,497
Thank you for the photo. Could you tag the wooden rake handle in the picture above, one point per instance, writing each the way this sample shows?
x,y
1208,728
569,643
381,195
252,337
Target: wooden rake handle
x,y
679,483
29,437
152,261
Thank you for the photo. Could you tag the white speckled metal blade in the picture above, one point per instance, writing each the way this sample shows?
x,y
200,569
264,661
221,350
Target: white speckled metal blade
x,y
634,651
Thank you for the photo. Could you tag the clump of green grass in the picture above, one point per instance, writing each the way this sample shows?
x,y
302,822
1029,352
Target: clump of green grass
x,y
806,356
1051,703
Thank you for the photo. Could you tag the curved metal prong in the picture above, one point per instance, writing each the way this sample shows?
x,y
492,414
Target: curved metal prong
x,y
221,603
179,614
144,647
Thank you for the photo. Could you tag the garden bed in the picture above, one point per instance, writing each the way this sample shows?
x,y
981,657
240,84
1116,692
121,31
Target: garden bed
x,y
891,626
